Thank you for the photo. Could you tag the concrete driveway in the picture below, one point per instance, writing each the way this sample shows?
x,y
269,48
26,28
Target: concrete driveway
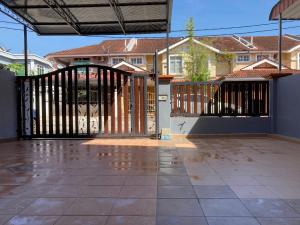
x,y
215,181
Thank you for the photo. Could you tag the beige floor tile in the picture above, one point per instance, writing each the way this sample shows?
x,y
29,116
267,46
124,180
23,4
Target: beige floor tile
x,y
131,220
134,207
138,192
252,191
82,220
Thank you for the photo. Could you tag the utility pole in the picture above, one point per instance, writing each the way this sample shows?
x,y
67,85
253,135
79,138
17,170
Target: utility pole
x,y
280,43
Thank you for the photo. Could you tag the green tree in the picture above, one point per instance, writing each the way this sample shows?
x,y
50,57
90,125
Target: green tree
x,y
17,68
197,57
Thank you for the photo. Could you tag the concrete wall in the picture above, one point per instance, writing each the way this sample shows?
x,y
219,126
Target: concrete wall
x,y
8,105
220,125
287,111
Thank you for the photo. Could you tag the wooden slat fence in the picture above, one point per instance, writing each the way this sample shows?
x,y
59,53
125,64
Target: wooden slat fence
x,y
230,98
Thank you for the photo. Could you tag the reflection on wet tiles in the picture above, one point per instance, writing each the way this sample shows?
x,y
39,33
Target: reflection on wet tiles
x,y
110,177
32,220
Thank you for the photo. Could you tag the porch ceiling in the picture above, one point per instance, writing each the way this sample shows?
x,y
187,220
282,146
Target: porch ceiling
x,y
290,10
92,17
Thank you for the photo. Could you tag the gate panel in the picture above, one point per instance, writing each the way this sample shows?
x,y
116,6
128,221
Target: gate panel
x,y
85,101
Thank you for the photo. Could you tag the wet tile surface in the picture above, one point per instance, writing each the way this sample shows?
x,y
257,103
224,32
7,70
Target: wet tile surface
x,y
179,207
81,220
232,221
211,181
223,207
214,191
173,220
131,220
33,220
270,208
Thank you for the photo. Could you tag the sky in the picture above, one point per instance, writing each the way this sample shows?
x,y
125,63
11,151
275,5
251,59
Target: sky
x,y
206,13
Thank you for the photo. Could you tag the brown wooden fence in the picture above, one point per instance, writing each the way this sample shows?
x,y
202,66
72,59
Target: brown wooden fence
x,y
246,98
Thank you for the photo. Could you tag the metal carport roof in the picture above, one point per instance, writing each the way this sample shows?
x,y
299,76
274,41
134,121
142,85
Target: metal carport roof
x,y
289,10
93,17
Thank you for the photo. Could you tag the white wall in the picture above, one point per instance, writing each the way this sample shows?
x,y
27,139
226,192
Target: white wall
x,y
8,105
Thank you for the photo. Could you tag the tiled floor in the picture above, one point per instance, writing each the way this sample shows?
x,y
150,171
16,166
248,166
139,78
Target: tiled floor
x,y
207,181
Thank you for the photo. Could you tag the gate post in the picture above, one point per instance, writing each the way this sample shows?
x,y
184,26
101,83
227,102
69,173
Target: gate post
x,y
164,99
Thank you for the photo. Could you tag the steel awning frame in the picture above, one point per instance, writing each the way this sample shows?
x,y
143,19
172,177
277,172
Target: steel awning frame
x,y
289,10
63,17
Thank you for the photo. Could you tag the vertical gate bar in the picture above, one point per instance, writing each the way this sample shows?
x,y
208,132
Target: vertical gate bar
x,y
256,98
50,106
20,106
145,105
182,89
37,105
236,99
189,98
267,99
31,106
136,105
156,95
250,100
142,105
76,100
56,102
63,102
175,99
202,99
195,99
70,100
226,98
216,99
209,100
99,102
119,103
44,122
87,89
105,96
229,89
132,104
222,99
261,101
243,99
126,104
263,98
112,102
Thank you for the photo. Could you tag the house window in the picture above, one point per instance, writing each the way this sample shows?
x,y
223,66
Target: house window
x,y
136,61
117,60
243,58
261,57
176,65
81,61
40,70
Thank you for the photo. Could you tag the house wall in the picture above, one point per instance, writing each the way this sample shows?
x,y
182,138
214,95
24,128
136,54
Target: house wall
x,y
293,60
220,125
8,105
287,107
222,68
182,51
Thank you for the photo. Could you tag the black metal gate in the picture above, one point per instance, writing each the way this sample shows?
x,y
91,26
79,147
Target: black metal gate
x,y
85,101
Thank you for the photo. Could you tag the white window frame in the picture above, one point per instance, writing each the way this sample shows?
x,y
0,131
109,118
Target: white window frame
x,y
269,56
138,57
176,55
243,61
40,68
112,60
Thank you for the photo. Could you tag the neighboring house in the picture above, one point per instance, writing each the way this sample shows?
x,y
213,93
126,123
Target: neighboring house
x,y
227,55
36,64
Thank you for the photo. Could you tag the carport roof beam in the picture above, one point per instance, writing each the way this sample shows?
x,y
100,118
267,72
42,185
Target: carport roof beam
x,y
93,17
